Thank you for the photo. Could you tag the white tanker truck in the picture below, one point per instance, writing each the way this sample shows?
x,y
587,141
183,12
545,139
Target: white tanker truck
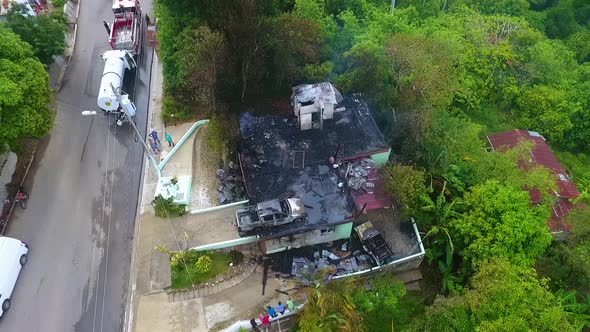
x,y
115,64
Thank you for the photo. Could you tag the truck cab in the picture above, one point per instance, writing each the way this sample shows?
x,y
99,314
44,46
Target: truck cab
x,y
270,214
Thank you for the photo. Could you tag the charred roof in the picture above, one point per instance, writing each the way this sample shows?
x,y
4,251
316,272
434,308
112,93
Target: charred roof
x,y
279,160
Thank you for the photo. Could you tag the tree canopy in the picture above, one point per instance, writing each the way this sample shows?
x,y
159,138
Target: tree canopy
x,y
439,76
24,90
502,297
500,222
45,33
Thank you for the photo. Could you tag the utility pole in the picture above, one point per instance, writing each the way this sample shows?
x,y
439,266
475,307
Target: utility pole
x,y
392,6
145,146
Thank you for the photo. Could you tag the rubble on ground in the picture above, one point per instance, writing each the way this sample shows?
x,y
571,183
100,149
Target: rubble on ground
x,y
336,261
359,175
231,184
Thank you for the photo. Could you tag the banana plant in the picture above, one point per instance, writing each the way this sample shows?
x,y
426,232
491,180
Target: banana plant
x,y
580,310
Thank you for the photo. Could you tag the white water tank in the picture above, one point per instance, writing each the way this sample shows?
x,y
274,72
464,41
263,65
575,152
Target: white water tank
x,y
115,63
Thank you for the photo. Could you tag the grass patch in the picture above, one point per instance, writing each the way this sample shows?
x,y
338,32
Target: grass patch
x,y
181,278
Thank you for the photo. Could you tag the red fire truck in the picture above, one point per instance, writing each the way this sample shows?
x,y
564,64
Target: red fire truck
x,y
125,34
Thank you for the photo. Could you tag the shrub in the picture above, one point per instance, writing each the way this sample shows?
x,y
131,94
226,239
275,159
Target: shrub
x,y
204,264
236,256
166,208
216,135
59,4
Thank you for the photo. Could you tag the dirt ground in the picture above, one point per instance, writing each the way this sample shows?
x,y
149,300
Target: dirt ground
x,y
25,153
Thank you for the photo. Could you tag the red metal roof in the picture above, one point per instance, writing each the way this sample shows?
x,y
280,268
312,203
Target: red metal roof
x,y
542,155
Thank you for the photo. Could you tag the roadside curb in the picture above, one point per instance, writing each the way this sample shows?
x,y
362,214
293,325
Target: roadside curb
x,y
64,69
20,185
128,325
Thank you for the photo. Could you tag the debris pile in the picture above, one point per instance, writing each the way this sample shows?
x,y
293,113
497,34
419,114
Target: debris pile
x,y
231,184
338,262
361,175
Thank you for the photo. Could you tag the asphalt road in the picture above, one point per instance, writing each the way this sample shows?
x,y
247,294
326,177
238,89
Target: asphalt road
x,y
83,190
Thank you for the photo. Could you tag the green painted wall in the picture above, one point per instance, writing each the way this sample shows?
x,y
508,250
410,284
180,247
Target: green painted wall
x,y
382,158
343,231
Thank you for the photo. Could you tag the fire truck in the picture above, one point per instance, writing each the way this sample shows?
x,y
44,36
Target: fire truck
x,y
126,29
125,41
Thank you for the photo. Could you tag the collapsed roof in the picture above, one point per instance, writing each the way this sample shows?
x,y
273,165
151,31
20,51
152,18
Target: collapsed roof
x,y
279,160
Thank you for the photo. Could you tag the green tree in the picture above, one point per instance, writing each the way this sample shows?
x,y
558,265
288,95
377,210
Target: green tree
x,y
502,297
382,303
511,297
579,43
508,7
424,72
406,186
45,33
24,91
295,43
561,21
368,71
547,110
200,55
567,264
500,222
446,314
330,306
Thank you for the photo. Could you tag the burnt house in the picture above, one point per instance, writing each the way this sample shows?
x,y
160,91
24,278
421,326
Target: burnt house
x,y
328,154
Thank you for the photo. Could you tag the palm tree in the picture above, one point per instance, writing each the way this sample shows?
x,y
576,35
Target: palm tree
x,y
579,310
329,305
442,213
440,210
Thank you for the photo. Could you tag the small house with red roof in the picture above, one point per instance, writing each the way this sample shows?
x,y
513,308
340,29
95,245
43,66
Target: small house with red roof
x,y
542,155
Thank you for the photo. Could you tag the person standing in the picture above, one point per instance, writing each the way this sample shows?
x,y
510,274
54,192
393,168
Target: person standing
x,y
169,140
271,311
254,325
281,308
265,320
154,135
153,145
290,304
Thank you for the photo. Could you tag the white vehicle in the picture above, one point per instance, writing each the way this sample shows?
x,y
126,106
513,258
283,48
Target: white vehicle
x,y
115,64
13,256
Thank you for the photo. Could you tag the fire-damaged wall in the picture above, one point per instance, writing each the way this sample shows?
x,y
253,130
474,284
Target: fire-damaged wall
x,y
317,236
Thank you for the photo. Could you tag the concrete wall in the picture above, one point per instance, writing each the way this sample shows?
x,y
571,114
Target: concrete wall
x,y
309,238
226,244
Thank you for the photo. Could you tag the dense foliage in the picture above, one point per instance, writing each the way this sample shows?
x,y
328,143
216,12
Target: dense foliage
x,y
45,33
502,297
451,72
24,91
357,305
